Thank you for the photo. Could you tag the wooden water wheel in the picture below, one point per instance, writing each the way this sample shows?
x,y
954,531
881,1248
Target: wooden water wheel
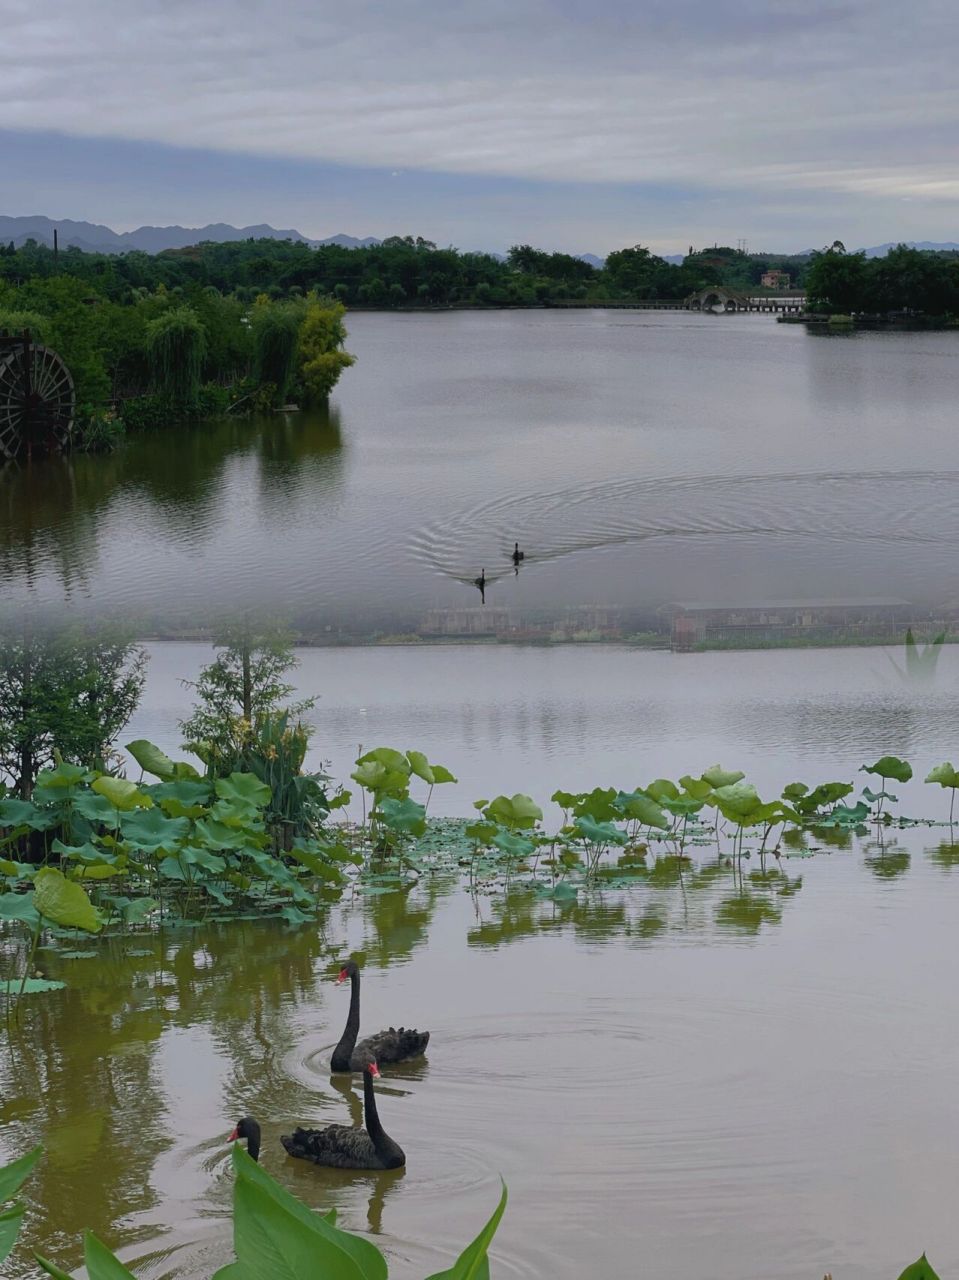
x,y
37,402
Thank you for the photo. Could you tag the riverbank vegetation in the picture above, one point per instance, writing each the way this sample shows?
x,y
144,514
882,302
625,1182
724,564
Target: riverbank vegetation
x,y
904,281
146,356
101,841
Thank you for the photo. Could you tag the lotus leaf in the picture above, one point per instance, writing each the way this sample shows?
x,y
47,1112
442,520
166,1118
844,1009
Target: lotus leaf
x,y
599,832
518,812
717,776
697,787
662,789
404,816
513,845
944,774
122,794
19,906
737,800
244,789
640,807
391,760
151,759
150,831
62,902
889,767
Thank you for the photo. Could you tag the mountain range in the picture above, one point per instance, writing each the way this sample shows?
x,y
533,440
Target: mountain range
x,y
93,237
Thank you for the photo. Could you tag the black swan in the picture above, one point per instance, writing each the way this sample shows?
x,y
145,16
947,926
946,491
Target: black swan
x,y
517,554
386,1046
341,1147
249,1129
481,580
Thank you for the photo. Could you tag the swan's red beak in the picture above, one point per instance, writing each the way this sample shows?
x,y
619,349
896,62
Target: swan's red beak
x,y
342,976
235,1135
374,1071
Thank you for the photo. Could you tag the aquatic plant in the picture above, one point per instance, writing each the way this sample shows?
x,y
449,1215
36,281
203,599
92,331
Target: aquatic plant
x,y
275,1236
385,775
947,778
889,768
176,848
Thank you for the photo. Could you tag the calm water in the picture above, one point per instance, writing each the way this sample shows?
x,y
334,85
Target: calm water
x,y
723,1075
638,458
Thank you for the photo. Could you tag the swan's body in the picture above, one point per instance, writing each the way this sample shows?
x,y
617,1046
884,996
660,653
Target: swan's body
x,y
481,580
340,1147
517,554
393,1045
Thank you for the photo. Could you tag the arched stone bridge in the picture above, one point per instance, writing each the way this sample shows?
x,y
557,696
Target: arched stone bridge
x,y
716,296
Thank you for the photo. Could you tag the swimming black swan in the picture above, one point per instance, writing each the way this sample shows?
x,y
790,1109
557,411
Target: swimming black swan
x,y
481,580
338,1146
249,1129
341,1147
386,1046
517,554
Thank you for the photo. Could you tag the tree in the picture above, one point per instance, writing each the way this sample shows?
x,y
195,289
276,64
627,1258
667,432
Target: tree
x,y
276,335
321,355
836,280
176,345
69,694
242,688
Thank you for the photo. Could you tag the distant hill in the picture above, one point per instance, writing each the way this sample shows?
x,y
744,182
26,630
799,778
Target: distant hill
x,y
880,250
95,238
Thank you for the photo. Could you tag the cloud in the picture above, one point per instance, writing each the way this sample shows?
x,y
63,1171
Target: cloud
x,y
855,99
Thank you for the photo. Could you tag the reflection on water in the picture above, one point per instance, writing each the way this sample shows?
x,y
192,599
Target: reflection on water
x,y
686,459
709,1056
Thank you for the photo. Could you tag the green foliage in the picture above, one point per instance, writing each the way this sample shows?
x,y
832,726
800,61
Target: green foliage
x,y
919,1270
890,767
69,693
275,1236
321,355
276,336
176,345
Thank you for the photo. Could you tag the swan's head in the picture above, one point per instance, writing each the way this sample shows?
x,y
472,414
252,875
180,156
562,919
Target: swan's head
x,y
373,1070
350,970
246,1128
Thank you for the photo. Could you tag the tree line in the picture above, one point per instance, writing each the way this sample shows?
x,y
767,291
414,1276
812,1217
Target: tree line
x,y
905,280
402,271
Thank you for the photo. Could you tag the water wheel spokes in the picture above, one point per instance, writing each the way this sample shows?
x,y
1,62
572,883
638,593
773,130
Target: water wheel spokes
x,y
36,398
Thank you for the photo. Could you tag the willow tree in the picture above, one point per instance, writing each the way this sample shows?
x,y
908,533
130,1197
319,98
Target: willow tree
x,y
176,345
276,336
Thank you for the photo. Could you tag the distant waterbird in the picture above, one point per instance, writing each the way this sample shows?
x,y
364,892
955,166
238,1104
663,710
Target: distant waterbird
x,y
517,554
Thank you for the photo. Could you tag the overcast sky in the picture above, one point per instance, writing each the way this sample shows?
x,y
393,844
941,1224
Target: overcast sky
x,y
574,124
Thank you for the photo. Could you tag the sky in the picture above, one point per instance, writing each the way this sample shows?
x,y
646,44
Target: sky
x,y
580,125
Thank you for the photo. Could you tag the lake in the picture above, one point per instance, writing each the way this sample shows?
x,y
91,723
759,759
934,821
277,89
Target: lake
x,y
725,1072
639,458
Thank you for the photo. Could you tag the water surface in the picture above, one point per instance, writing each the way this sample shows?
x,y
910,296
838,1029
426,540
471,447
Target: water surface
x,y
639,458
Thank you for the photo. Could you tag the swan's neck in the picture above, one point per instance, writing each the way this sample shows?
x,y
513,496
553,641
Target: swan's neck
x,y
253,1146
383,1144
341,1054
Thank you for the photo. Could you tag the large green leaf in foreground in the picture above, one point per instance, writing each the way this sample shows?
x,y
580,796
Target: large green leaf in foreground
x,y
473,1264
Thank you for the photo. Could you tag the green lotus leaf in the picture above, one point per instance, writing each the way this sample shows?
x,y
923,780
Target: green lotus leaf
x,y
244,789
889,767
151,759
718,777
62,902
944,774
122,794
